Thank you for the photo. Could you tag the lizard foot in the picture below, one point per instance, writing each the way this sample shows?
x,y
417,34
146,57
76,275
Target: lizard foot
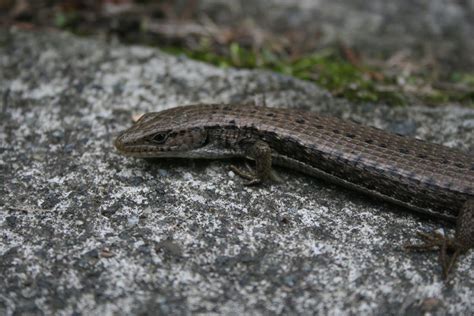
x,y
449,249
246,174
253,177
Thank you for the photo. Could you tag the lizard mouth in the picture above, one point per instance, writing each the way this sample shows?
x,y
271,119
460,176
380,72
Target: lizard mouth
x,y
144,150
135,150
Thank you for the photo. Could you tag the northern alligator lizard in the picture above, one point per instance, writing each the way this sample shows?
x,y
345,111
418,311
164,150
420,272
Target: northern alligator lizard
x,y
424,177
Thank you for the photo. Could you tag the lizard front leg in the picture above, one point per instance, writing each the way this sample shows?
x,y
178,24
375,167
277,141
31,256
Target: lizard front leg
x,y
261,152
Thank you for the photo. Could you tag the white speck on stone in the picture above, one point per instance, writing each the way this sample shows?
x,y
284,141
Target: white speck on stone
x,y
197,198
49,89
307,216
132,220
147,211
468,123
163,172
321,248
18,85
56,180
139,243
188,176
142,52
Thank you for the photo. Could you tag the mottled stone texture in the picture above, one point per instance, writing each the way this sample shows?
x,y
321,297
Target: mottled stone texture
x,y
86,230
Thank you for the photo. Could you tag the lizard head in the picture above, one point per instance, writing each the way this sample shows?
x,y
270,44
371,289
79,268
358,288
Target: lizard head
x,y
163,134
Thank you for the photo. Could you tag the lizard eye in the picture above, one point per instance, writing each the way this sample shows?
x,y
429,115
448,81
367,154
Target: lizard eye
x,y
159,138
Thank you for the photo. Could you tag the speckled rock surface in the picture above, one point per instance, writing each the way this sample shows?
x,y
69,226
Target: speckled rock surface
x,y
84,230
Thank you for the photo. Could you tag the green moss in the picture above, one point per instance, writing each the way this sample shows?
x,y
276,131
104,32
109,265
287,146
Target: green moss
x,y
442,97
66,20
463,78
326,68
